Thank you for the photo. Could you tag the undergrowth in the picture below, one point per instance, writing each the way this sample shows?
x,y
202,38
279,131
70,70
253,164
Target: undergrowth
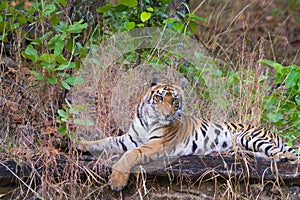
x,y
42,50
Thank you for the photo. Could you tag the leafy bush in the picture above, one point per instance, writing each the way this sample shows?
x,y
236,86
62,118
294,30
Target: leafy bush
x,y
50,42
281,106
55,39
127,15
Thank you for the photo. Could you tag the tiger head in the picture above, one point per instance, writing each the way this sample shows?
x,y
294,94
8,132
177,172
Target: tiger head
x,y
165,100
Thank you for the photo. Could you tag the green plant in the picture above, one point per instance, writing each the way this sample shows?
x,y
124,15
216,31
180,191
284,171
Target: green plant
x,y
11,20
56,39
51,44
127,15
282,106
59,43
66,117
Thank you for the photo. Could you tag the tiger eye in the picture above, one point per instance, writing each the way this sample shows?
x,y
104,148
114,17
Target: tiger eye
x,y
159,98
174,101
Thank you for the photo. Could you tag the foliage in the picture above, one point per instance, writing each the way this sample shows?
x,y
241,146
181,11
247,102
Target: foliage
x,y
54,49
67,115
281,107
127,15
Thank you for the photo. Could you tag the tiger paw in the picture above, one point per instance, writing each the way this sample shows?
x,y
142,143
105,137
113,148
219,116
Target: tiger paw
x,y
118,179
286,156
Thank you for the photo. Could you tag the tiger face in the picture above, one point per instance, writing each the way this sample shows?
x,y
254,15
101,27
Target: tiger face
x,y
166,100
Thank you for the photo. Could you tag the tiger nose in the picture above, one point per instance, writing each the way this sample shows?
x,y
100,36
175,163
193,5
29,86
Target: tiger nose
x,y
168,113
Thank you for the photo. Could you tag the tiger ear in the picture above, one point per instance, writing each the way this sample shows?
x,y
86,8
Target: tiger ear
x,y
154,79
183,82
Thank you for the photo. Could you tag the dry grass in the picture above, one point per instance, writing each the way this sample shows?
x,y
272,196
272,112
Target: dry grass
x,y
28,108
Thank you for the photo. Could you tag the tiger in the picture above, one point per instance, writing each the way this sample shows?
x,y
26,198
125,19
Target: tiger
x,y
161,129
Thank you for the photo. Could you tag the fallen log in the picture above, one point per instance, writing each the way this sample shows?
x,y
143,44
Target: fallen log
x,y
191,167
228,167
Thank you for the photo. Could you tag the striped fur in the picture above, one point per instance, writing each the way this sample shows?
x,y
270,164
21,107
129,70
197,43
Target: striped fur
x,y
160,129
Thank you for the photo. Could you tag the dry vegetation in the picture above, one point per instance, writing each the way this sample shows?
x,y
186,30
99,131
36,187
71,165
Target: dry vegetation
x,y
237,33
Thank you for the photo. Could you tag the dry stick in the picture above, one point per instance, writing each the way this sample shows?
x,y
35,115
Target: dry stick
x,y
34,192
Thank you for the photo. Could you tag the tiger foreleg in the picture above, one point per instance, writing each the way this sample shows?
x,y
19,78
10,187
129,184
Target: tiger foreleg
x,y
96,146
285,156
121,170
118,179
141,155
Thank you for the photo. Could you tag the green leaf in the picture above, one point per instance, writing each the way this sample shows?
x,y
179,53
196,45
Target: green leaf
x,y
267,62
292,78
37,75
150,9
47,57
4,5
193,27
77,64
179,26
4,39
63,2
52,80
76,27
57,43
278,67
22,19
141,25
297,99
49,8
31,53
61,59
83,122
54,20
76,80
129,25
62,130
68,65
80,107
129,3
61,27
65,85
105,8
15,26
120,8
274,117
44,37
145,16
196,17
62,113
70,44
63,74
83,52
